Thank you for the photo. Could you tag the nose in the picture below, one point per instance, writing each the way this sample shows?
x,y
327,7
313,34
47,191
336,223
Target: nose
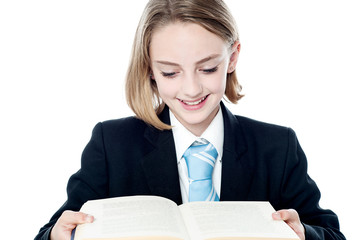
x,y
192,86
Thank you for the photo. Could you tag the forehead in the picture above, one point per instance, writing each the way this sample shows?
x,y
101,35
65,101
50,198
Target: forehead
x,y
182,42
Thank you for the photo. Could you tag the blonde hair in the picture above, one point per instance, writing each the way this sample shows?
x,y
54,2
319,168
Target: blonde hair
x,y
141,91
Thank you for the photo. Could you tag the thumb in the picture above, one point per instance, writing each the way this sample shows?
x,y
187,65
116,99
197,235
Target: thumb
x,y
80,217
285,215
279,215
73,218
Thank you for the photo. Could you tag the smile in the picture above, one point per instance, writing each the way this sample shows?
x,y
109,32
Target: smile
x,y
194,102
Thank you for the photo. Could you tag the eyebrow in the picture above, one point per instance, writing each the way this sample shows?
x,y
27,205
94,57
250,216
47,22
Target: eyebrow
x,y
203,60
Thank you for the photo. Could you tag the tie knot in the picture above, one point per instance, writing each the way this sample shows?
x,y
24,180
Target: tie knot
x,y
200,159
200,141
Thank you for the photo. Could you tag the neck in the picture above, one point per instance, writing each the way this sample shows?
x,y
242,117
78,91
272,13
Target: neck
x,y
198,129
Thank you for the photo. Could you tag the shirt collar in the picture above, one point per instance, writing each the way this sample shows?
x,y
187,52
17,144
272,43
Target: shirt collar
x,y
184,138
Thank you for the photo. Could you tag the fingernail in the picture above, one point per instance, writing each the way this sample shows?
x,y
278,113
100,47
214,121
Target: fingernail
x,y
89,218
276,216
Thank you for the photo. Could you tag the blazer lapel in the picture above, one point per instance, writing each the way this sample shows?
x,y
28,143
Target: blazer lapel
x,y
160,164
237,169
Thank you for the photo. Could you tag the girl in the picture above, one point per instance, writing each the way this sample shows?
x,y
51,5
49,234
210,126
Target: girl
x,y
182,64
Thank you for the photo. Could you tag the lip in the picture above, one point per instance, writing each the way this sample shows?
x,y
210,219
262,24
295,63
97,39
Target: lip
x,y
194,104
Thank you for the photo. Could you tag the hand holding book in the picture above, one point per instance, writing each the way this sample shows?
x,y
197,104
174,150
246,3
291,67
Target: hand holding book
x,y
291,217
67,222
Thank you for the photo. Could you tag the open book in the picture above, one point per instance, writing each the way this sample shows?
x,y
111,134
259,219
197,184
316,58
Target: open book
x,y
150,218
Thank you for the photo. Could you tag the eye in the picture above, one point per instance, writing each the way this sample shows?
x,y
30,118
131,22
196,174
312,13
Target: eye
x,y
168,75
211,70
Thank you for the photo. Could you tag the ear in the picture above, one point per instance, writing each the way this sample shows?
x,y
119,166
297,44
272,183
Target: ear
x,y
236,48
151,75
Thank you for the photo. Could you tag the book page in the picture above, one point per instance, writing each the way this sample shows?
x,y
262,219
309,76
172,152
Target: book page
x,y
130,217
234,220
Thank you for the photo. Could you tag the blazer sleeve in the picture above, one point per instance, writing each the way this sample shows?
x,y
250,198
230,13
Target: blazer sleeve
x,y
300,192
90,182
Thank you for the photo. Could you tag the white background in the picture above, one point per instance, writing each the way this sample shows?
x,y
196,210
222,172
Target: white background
x,y
62,69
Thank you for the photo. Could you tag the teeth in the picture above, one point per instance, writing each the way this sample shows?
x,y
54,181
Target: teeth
x,y
195,103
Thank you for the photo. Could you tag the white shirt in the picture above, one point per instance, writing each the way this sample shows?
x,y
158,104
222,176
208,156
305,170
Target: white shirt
x,y
184,138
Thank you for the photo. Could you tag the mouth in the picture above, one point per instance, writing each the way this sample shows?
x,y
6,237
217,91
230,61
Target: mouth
x,y
193,103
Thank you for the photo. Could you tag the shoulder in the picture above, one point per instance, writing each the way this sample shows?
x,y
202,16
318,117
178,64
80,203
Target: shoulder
x,y
124,124
129,127
264,131
251,127
257,125
254,132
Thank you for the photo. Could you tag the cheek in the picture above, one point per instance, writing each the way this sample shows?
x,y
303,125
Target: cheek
x,y
217,84
166,90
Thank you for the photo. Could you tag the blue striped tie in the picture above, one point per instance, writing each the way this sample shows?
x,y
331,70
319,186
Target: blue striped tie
x,y
200,159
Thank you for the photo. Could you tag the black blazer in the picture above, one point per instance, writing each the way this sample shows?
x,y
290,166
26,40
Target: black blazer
x,y
261,162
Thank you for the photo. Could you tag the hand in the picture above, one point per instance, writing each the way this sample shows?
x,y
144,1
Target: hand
x,y
290,216
67,222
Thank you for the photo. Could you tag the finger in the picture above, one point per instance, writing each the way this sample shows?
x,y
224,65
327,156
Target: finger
x,y
74,218
291,217
286,215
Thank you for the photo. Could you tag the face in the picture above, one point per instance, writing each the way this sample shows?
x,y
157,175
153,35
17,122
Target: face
x,y
190,66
